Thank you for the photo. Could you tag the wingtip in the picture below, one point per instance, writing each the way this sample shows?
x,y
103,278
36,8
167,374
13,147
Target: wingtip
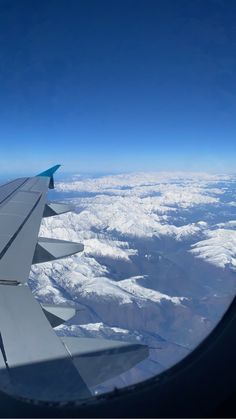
x,y
49,172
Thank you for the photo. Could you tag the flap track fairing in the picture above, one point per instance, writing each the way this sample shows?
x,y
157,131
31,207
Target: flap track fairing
x,y
52,249
56,208
57,315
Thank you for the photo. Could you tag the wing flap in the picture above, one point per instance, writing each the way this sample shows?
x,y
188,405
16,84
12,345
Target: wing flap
x,y
37,362
98,360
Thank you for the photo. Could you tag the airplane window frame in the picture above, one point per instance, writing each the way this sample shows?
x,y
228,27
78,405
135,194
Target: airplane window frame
x,y
201,384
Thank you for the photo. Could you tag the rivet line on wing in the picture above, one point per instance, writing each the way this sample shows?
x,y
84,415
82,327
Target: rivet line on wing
x,y
3,351
19,229
12,193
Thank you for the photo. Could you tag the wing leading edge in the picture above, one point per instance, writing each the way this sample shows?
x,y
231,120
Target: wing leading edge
x,y
34,362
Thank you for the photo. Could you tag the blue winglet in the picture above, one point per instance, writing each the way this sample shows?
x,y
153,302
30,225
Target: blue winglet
x,y
50,172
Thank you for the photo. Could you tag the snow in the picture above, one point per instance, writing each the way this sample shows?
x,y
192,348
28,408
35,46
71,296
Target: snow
x,y
142,204
112,218
219,248
139,180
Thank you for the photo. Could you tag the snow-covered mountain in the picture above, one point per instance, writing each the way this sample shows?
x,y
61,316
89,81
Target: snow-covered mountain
x,y
158,265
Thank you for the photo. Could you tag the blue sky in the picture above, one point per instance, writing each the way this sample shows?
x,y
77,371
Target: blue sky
x,y
117,85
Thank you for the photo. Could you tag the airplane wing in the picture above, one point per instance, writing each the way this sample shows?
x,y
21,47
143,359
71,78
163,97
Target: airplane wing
x,y
35,363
